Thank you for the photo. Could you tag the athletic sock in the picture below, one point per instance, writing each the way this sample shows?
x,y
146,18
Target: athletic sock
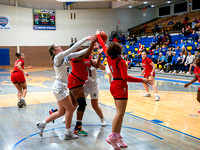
x,y
44,122
113,134
67,131
118,135
156,94
78,123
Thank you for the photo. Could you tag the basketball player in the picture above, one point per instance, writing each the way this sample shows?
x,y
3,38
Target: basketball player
x,y
77,78
118,88
108,71
18,79
61,66
196,77
149,73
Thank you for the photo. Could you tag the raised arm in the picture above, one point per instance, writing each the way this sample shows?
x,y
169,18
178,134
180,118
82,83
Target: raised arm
x,y
101,42
77,54
96,64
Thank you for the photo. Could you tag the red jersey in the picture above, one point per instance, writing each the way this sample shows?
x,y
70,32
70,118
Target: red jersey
x,y
80,68
15,65
197,73
146,64
117,65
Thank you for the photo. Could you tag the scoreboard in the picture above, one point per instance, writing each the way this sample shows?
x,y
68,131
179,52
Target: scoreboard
x,y
44,19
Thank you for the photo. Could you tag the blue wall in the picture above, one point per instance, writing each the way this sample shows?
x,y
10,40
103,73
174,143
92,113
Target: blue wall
x,y
4,57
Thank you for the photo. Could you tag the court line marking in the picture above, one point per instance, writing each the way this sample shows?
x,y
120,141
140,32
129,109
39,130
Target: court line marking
x,y
16,144
154,123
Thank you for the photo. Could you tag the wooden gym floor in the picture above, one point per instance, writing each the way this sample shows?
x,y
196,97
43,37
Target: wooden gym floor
x,y
170,124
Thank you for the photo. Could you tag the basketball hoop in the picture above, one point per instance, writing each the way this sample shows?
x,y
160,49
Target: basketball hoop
x,y
144,11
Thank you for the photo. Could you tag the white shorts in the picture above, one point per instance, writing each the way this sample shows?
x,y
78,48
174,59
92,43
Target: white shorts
x,y
60,90
107,69
92,89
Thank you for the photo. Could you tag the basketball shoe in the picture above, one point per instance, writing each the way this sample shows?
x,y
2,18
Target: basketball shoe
x,y
70,136
121,142
40,127
79,131
113,142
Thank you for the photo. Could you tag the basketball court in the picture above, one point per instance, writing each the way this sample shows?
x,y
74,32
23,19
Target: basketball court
x,y
171,123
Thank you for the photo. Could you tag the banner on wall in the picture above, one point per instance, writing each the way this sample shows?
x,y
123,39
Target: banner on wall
x,y
4,22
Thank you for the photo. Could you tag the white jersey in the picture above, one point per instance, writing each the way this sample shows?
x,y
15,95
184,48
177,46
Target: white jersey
x,y
92,75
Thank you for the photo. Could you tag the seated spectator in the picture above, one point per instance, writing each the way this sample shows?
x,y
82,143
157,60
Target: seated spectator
x,y
167,41
163,50
115,39
194,63
186,20
122,39
189,60
169,60
161,61
180,61
184,51
170,23
194,36
154,39
176,44
186,33
159,41
169,51
177,25
174,63
141,48
133,40
182,44
178,50
155,55
152,48
198,45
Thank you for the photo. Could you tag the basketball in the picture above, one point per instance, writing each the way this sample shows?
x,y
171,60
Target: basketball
x,y
104,36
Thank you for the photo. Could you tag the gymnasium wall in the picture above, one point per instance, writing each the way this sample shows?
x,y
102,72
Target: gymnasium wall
x,y
86,23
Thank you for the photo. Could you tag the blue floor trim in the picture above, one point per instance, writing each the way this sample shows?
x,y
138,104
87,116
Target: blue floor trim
x,y
13,148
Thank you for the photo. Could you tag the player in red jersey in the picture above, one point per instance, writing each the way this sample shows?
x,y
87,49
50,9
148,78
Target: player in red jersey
x,y
18,79
149,73
196,77
118,88
77,78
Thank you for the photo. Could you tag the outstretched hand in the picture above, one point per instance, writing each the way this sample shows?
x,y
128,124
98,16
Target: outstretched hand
x,y
100,51
186,85
97,32
91,37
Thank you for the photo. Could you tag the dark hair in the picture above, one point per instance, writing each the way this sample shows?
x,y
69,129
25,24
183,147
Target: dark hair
x,y
51,49
144,52
114,50
18,55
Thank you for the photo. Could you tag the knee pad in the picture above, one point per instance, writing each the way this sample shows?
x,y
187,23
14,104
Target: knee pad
x,y
82,104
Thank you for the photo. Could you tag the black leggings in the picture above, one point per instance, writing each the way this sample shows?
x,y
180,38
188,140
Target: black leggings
x,y
174,65
162,64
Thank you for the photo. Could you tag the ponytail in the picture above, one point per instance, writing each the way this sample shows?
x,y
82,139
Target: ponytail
x,y
18,55
51,49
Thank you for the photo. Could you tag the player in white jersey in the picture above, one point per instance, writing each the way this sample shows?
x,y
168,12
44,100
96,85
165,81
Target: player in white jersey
x,y
60,90
108,71
91,88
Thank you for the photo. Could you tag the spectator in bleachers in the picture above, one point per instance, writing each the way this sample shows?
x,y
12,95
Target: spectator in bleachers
x,y
170,23
133,40
157,34
184,51
182,44
167,41
174,63
180,61
155,55
163,33
189,60
152,48
186,20
115,39
177,25
163,50
194,36
194,63
169,60
198,45
176,44
169,50
159,41
154,40
161,61
122,39
178,50
141,48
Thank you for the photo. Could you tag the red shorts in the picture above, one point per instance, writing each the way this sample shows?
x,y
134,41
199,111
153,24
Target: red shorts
x,y
119,89
146,75
74,82
17,77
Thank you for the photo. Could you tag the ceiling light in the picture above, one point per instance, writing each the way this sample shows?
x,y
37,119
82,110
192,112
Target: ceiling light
x,y
145,2
168,2
152,5
130,6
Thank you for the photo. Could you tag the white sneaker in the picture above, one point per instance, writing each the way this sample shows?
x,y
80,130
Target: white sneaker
x,y
70,136
63,120
180,72
170,71
147,95
40,127
157,98
103,122
161,71
174,71
188,73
